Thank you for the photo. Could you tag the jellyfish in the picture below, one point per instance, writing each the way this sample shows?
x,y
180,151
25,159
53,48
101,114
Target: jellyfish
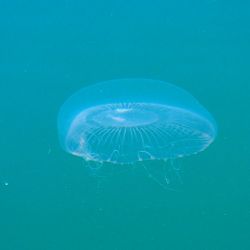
x,y
125,121
128,120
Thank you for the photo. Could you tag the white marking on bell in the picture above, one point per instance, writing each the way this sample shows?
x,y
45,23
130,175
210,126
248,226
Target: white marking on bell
x,y
122,110
118,119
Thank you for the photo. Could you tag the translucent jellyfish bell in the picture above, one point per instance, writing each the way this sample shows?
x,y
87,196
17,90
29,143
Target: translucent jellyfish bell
x,y
129,120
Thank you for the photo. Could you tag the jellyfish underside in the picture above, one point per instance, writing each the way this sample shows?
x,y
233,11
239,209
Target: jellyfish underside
x,y
130,132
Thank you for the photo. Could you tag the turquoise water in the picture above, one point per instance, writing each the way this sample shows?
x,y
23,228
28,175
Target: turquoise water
x,y
48,198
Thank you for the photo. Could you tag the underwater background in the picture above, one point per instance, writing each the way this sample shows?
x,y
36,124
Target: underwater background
x,y
49,199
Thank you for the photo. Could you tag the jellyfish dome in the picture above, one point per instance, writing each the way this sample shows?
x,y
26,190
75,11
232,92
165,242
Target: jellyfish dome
x,y
129,120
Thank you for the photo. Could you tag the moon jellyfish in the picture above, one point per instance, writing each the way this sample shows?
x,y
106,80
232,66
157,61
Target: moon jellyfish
x,y
125,121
